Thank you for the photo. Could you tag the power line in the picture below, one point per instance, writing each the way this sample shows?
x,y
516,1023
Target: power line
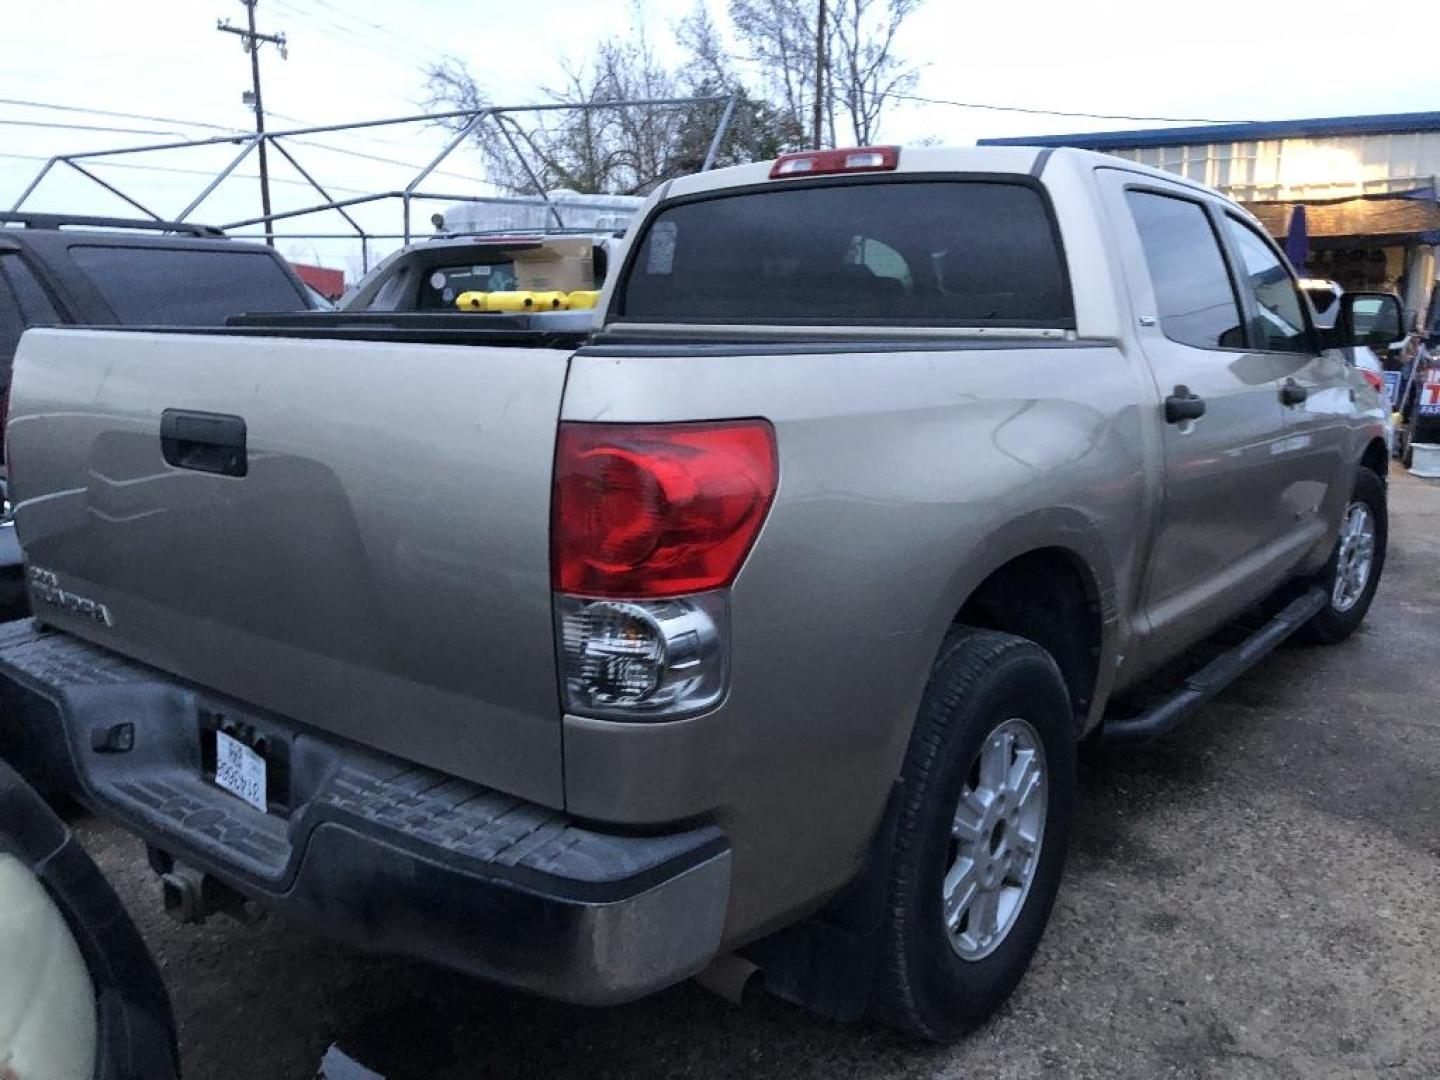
x,y
107,112
208,173
86,127
387,48
1064,112
388,31
199,124
218,127
386,160
342,35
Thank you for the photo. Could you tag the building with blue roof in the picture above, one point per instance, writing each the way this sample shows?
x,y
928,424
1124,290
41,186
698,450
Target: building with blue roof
x,y
1368,184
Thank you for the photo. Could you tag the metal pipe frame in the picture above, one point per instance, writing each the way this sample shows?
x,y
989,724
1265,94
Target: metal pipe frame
x,y
459,137
714,149
115,191
524,164
472,119
429,196
220,177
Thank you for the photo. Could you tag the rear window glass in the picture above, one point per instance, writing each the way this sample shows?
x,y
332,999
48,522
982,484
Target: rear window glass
x,y
186,287
442,285
941,253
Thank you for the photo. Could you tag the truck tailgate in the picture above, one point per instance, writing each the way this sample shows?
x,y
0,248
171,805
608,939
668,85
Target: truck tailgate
x,y
379,571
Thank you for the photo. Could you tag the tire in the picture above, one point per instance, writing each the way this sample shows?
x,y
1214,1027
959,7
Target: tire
x,y
1337,620
933,981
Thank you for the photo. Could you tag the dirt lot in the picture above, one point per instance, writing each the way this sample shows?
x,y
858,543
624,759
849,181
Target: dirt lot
x,y
1258,895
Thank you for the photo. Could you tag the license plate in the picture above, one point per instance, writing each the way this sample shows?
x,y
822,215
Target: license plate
x,y
240,770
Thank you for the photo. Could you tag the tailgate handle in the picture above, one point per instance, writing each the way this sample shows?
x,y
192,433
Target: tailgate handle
x,y
204,441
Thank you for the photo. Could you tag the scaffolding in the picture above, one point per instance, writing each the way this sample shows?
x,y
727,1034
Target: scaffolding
x,y
464,124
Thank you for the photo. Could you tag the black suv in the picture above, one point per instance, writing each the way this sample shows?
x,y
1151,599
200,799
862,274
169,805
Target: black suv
x,y
58,270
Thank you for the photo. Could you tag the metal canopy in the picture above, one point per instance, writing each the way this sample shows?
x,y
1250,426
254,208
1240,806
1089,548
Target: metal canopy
x,y
467,121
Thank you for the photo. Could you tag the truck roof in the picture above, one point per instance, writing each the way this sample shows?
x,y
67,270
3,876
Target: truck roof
x,y
928,159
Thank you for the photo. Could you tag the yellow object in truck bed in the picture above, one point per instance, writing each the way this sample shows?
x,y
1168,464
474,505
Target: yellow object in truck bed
x,y
512,301
526,301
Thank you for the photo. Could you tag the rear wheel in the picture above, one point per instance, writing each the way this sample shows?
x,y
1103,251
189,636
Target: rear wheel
x,y
989,791
1352,575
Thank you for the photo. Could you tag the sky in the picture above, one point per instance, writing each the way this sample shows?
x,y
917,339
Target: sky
x,y
164,63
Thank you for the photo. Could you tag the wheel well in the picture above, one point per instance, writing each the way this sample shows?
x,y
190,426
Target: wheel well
x,y
1048,596
1376,458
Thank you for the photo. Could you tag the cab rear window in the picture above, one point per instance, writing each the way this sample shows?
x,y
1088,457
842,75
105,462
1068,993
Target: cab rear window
x,y
154,286
926,253
440,286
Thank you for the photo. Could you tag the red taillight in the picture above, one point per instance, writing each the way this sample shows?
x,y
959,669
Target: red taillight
x,y
1374,380
856,159
651,510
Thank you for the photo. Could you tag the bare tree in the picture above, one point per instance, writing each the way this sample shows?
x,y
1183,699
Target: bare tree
x,y
778,38
450,86
861,69
758,128
608,150
865,69
614,150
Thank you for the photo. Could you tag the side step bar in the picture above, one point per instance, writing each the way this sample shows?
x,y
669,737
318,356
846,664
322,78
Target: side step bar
x,y
1216,675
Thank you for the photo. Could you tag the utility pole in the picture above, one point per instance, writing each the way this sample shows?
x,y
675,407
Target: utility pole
x,y
819,68
251,40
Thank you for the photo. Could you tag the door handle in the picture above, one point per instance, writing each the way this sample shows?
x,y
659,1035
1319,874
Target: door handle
x,y
1292,393
204,442
1182,405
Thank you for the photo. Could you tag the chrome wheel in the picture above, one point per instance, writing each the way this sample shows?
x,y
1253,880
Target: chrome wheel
x,y
1355,557
995,840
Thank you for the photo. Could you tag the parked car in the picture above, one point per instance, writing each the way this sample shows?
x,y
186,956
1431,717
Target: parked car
x,y
767,622
81,998
58,270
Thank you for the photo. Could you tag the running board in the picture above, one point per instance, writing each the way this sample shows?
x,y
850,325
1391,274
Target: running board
x,y
1217,674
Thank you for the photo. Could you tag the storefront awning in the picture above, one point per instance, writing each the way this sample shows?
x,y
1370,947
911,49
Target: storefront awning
x,y
1411,217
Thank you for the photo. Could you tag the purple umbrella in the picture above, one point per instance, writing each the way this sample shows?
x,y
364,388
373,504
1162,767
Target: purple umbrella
x,y
1297,239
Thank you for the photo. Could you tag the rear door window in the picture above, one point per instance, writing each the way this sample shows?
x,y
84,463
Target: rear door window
x,y
887,252
1280,313
187,286
1193,291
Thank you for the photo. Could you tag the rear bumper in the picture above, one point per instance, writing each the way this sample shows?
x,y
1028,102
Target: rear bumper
x,y
364,847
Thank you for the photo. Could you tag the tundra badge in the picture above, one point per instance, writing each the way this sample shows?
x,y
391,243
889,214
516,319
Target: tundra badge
x,y
45,587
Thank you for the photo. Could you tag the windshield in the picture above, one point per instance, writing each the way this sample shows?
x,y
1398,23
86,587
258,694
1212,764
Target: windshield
x,y
888,252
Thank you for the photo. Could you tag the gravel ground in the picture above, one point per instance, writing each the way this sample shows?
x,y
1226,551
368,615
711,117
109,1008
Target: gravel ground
x,y
1257,895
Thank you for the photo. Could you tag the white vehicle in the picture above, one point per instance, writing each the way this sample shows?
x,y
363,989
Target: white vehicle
x,y
1324,296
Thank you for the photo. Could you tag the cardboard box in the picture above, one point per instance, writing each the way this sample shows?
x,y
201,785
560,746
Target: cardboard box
x,y
561,265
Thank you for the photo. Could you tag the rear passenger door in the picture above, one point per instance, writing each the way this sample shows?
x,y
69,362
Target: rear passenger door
x,y
1317,400
1215,549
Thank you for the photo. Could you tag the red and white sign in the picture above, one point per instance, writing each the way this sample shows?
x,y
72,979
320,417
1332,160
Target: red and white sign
x,y
1429,403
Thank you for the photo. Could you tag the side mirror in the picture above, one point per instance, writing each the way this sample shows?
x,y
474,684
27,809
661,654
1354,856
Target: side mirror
x,y
1374,319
